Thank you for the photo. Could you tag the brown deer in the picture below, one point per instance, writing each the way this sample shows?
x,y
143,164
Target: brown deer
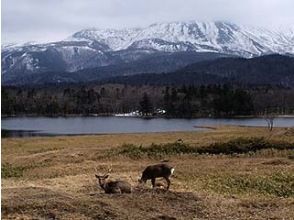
x,y
154,171
111,187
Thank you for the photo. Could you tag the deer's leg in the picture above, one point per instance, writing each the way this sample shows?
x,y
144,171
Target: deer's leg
x,y
153,182
168,182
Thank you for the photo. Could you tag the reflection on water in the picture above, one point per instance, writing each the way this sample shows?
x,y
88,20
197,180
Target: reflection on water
x,y
44,126
18,133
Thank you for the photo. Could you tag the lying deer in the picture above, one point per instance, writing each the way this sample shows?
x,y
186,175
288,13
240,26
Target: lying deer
x,y
111,187
154,171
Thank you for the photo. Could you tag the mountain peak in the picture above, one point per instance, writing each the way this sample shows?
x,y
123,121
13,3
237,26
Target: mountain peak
x,y
218,36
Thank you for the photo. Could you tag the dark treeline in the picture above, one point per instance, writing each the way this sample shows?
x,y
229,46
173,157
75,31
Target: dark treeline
x,y
210,100
181,101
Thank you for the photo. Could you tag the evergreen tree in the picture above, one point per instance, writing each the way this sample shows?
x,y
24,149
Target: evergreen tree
x,y
146,107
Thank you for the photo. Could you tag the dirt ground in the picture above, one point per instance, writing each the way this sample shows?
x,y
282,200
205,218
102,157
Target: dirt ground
x,y
54,178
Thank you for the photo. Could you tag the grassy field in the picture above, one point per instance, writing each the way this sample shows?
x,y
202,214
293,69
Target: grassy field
x,y
222,173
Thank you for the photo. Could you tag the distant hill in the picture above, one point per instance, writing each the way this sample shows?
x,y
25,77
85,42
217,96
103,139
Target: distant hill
x,y
265,70
155,63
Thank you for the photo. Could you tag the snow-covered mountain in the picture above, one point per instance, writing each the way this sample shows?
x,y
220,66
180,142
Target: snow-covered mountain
x,y
222,37
90,48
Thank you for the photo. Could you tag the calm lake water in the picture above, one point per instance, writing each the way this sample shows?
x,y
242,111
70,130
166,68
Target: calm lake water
x,y
31,126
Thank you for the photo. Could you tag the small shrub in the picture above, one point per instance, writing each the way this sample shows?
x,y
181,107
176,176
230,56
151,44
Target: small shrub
x,y
131,150
8,171
244,145
155,150
276,162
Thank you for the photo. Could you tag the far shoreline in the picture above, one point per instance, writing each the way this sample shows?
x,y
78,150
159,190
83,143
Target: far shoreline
x,y
142,117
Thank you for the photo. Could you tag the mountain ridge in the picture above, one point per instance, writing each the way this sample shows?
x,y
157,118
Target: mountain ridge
x,y
91,48
210,34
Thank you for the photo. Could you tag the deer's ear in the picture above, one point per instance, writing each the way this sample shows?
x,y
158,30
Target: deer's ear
x,y
106,176
97,176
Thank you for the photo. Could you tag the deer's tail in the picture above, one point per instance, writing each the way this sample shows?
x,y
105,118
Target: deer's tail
x,y
172,170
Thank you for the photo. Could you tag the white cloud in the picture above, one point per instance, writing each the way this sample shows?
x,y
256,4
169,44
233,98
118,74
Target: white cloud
x,y
44,20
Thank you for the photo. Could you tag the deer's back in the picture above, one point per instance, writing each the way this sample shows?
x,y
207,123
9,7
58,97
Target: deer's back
x,y
118,186
159,170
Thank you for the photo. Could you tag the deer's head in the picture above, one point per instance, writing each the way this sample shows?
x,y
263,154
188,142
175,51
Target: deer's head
x,y
102,179
141,180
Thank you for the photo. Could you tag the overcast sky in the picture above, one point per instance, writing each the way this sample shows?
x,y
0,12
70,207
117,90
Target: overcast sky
x,y
49,20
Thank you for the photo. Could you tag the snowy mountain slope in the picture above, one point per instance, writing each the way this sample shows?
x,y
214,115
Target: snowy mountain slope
x,y
90,48
221,37
115,39
57,56
154,63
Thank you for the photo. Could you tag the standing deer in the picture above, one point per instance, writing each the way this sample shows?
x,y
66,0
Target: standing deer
x,y
154,171
111,187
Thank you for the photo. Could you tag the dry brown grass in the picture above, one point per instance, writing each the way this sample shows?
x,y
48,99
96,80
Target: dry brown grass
x,y
53,177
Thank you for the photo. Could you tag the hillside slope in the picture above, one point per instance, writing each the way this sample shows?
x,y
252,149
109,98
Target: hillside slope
x,y
266,70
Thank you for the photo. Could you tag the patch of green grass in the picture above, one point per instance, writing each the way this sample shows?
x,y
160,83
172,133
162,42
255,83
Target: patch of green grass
x,y
236,146
245,145
154,150
8,171
278,184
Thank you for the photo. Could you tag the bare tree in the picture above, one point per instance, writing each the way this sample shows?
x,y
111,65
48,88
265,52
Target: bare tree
x,y
270,121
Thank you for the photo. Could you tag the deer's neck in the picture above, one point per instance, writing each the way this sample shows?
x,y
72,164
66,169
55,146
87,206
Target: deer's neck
x,y
143,179
102,184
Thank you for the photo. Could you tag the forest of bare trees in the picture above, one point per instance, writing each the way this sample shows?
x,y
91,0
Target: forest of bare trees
x,y
182,101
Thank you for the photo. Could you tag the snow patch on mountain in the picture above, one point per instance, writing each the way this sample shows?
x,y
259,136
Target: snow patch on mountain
x,y
115,39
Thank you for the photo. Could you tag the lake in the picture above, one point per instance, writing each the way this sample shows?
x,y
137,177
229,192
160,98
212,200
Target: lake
x,y
43,126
